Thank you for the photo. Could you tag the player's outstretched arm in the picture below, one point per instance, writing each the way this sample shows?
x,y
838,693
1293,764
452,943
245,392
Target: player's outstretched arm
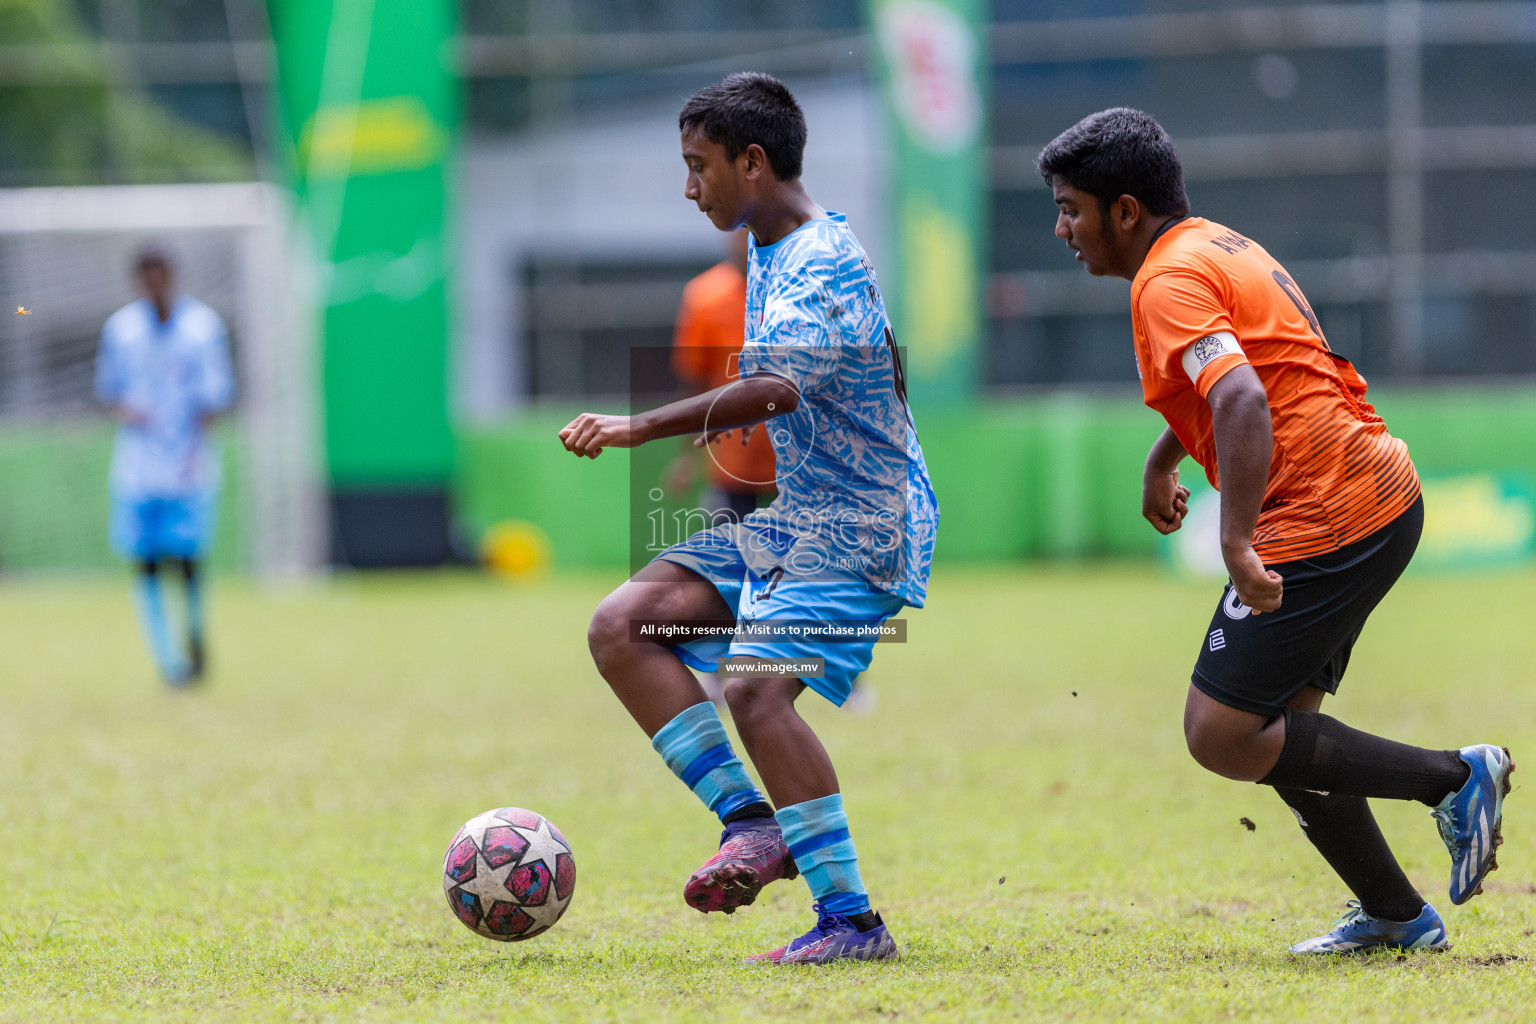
x,y
1245,447
737,404
1164,501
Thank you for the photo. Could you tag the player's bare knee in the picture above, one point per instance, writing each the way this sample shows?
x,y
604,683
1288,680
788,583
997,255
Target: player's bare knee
x,y
753,701
1201,749
1211,748
741,696
1224,752
608,630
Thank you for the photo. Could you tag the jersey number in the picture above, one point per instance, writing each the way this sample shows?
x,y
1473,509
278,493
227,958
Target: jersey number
x,y
1294,294
898,375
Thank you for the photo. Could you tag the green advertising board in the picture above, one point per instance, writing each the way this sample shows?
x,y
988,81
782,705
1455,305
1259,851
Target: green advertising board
x,y
369,107
1478,521
1472,521
933,68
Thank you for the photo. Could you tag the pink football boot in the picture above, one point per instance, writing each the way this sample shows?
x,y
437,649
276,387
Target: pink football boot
x,y
752,854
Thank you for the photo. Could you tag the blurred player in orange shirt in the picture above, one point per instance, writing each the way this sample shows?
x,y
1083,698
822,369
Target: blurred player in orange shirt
x,y
1320,514
710,333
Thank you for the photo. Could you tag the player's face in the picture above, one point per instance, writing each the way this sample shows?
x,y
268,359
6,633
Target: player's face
x,y
155,279
1081,224
715,182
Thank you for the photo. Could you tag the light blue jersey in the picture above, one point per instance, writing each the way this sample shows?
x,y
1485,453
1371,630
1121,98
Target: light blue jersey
x,y
171,375
853,487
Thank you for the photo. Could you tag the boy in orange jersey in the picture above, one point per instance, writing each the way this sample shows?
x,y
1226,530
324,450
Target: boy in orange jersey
x,y
1320,514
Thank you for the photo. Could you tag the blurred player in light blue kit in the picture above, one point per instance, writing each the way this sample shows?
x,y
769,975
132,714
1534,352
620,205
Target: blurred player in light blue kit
x,y
164,371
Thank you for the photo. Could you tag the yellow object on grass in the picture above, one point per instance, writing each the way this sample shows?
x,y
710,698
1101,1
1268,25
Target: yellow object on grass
x,y
515,549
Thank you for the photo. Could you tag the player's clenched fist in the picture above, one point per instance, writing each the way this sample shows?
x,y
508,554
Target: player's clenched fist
x,y
1257,587
591,432
1164,501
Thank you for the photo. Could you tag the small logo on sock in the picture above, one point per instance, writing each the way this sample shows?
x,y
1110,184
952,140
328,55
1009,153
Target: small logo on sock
x,y
1218,639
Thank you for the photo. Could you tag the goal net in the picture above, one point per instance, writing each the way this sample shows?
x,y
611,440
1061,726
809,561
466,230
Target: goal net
x,y
66,259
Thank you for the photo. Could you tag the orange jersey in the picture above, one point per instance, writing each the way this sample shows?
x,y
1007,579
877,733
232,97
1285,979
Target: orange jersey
x,y
711,328
1337,474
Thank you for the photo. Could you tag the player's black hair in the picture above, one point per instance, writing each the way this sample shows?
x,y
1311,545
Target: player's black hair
x,y
1118,152
151,256
749,107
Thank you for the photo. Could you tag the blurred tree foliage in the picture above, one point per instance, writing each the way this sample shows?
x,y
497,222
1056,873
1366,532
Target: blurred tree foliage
x,y
75,128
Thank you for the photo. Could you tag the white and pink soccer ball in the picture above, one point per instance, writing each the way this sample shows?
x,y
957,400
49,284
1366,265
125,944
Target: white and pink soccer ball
x,y
509,874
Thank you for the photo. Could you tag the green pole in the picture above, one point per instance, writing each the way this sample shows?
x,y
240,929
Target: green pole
x,y
933,76
369,106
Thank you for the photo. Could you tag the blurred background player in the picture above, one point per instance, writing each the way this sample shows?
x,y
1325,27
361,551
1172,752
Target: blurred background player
x,y
163,369
1320,513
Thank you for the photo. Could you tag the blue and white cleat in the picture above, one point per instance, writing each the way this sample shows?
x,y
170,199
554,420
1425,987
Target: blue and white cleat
x,y
835,937
1470,819
1359,932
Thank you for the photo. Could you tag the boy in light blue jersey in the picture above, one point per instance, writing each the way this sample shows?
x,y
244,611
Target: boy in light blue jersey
x,y
164,372
794,595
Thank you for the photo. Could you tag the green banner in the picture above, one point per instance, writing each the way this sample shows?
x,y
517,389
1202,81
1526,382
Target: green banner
x,y
369,107
933,66
1478,521
1483,520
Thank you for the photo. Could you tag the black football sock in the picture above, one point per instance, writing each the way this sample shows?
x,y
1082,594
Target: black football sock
x,y
1344,831
197,655
1324,754
864,920
757,810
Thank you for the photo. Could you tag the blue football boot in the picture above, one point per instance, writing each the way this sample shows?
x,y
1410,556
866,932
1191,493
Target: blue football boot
x,y
1359,932
1471,817
834,938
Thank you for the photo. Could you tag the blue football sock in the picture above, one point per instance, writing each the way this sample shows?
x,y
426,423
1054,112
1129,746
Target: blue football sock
x,y
157,631
696,748
816,833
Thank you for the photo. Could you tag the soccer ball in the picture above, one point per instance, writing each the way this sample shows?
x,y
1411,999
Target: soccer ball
x,y
509,874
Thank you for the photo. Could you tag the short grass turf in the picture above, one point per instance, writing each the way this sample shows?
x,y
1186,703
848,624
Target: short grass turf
x,y
1028,820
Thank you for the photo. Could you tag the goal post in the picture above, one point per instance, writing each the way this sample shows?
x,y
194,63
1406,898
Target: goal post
x,y
65,256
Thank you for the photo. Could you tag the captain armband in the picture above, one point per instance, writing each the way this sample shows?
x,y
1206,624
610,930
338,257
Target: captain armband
x,y
1207,350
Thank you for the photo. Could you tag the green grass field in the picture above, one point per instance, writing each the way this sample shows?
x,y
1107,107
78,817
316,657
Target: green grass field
x,y
1026,814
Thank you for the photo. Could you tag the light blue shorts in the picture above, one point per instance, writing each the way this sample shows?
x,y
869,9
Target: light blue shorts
x,y
146,528
779,593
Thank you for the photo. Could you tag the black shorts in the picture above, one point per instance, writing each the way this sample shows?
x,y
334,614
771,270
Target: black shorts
x,y
1258,663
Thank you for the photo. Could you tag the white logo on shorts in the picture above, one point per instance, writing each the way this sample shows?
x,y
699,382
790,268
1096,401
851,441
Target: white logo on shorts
x,y
1233,605
1218,639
